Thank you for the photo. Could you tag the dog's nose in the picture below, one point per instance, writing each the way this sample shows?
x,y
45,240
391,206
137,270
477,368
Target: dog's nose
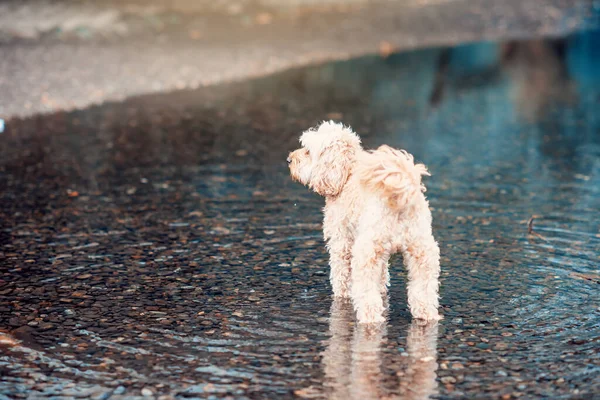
x,y
289,160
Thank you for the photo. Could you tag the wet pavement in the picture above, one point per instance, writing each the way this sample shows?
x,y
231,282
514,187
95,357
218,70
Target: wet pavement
x,y
157,247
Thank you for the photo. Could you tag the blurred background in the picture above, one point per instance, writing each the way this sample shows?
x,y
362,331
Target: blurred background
x,y
66,54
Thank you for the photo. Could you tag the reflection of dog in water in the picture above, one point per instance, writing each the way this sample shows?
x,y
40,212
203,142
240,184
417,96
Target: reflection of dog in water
x,y
374,207
353,359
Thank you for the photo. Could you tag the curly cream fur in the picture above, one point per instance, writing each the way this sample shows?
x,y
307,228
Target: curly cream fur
x,y
374,207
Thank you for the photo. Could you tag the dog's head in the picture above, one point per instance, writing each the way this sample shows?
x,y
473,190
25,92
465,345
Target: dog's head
x,y
325,160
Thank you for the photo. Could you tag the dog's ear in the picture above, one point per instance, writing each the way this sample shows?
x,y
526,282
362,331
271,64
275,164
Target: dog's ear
x,y
332,168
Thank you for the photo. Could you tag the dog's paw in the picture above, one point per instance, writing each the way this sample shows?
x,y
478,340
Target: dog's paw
x,y
427,314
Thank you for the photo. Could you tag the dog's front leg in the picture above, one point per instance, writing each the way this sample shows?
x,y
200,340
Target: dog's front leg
x,y
339,262
369,264
339,245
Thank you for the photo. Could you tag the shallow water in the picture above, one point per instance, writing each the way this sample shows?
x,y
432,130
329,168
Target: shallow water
x,y
158,246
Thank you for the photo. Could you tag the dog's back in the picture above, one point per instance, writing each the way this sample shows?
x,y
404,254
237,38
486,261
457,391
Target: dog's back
x,y
392,173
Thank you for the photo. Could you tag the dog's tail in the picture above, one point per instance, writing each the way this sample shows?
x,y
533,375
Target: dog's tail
x,y
393,173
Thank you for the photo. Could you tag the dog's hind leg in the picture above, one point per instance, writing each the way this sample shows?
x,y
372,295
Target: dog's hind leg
x,y
422,260
369,275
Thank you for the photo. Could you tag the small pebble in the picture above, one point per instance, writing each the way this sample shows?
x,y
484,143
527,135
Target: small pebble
x,y
119,390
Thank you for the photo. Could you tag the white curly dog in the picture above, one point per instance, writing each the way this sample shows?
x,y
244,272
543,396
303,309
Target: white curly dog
x,y
374,207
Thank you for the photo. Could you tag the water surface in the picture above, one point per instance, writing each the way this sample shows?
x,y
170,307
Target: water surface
x,y
157,247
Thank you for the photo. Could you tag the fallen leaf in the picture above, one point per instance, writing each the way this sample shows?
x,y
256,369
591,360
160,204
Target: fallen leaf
x,y
386,49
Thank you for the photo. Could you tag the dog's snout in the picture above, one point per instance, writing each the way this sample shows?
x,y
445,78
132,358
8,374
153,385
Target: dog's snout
x,y
289,159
